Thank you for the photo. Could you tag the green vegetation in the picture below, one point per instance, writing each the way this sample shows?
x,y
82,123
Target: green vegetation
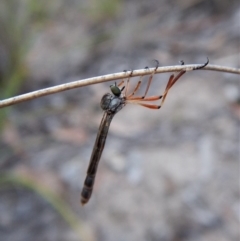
x,y
16,20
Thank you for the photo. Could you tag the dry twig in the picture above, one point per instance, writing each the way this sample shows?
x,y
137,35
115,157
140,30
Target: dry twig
x,y
110,77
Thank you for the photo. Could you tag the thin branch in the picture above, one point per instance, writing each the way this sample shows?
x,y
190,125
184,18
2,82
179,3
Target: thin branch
x,y
111,77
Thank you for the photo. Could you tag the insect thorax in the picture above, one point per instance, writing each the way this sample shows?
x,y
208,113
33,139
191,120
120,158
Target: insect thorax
x,y
112,103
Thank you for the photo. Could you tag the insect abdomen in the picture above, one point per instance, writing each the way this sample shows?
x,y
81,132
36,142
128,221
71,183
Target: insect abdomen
x,y
87,189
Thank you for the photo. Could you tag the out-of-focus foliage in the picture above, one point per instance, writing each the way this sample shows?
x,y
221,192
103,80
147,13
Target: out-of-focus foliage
x,y
103,10
16,21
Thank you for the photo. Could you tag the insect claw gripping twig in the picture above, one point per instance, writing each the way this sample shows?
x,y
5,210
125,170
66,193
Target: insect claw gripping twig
x,y
181,62
157,64
202,66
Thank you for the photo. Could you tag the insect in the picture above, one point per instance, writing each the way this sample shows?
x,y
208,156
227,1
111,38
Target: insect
x,y
112,103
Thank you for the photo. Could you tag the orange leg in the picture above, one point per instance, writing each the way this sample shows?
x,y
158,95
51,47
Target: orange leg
x,y
151,77
140,100
126,89
177,77
149,83
150,98
136,88
171,82
151,106
122,82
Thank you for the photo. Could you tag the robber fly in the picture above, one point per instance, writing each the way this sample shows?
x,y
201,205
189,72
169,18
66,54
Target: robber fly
x,y
111,104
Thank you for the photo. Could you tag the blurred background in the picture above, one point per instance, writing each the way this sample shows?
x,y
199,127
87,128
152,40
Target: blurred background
x,y
167,175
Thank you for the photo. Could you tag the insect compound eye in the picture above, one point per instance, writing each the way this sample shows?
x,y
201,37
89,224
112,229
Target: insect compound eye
x,y
115,90
106,100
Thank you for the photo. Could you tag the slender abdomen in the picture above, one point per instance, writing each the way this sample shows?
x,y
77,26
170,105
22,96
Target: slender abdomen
x,y
95,157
